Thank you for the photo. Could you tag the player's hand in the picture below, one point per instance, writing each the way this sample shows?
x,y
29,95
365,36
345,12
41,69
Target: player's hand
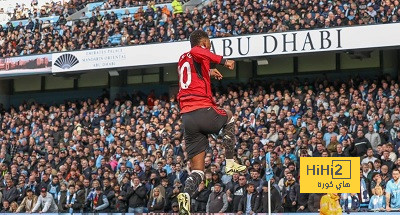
x,y
216,74
230,64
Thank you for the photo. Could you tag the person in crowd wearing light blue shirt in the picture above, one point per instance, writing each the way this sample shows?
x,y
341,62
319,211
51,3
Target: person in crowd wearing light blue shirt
x,y
288,154
98,157
393,191
124,160
378,201
329,134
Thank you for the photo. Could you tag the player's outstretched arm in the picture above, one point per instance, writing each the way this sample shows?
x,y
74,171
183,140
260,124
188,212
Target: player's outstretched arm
x,y
202,54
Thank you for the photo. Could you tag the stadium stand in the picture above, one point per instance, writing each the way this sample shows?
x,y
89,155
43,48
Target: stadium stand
x,y
129,154
22,10
121,23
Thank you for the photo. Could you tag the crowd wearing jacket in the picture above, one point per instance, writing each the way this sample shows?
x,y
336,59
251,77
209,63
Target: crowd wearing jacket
x,y
158,24
128,155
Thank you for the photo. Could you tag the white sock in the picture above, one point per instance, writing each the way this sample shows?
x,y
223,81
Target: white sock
x,y
201,173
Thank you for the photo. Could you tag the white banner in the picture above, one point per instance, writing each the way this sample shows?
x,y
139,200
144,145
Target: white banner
x,y
294,42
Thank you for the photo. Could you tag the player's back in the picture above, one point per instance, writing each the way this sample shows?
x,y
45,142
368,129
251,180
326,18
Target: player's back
x,y
194,85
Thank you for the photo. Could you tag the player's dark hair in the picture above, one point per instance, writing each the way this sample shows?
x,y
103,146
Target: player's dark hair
x,y
196,36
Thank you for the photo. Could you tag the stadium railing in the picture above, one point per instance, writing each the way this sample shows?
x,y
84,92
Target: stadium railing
x,y
51,19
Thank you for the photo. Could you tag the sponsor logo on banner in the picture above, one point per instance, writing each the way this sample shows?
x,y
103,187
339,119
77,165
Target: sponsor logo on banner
x,y
66,61
329,175
247,46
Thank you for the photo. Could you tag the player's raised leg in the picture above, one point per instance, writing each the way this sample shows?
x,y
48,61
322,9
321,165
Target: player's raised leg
x,y
229,142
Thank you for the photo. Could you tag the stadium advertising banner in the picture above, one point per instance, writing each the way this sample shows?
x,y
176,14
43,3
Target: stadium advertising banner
x,y
295,42
25,65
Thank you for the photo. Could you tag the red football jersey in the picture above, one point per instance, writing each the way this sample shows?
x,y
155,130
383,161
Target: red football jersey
x,y
194,79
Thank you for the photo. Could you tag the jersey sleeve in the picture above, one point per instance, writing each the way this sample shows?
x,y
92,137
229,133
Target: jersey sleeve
x,y
181,58
201,54
389,187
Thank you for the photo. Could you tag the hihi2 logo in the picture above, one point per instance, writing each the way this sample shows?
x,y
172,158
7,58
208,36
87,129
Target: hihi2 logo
x,y
329,175
339,169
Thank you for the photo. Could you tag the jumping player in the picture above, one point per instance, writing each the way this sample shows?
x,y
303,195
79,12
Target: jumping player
x,y
200,114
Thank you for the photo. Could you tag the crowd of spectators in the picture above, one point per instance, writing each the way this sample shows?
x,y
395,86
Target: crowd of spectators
x,y
46,8
129,154
118,4
155,24
35,9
